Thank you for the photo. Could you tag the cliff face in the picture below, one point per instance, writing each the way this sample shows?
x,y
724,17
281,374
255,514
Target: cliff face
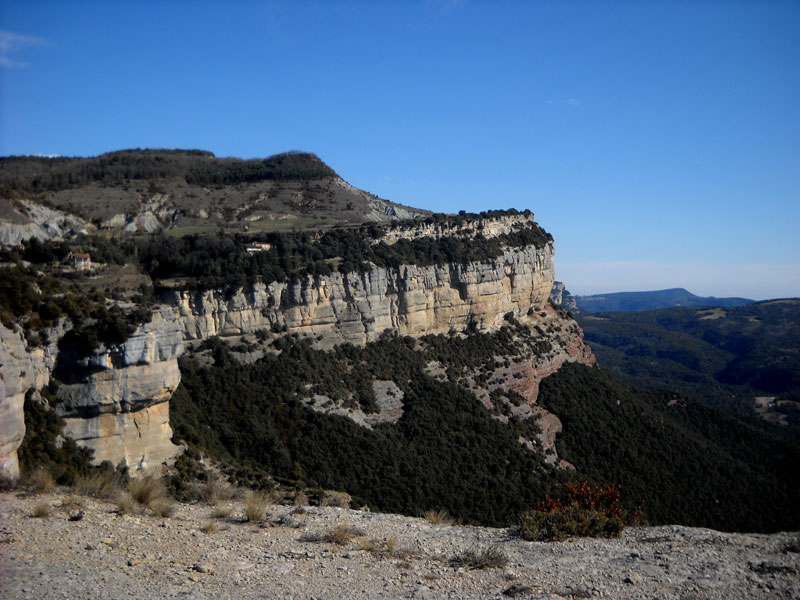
x,y
357,307
116,400
20,370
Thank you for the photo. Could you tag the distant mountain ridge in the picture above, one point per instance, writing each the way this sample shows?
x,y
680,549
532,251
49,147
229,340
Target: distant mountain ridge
x,y
653,300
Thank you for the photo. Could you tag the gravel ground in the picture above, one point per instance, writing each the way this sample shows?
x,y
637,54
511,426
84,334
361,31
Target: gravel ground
x,y
107,556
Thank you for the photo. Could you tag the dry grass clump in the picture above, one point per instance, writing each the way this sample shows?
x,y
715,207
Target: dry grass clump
x,y
439,517
491,558
41,481
103,483
255,506
72,501
163,508
222,512
41,511
341,535
210,526
146,490
125,503
213,491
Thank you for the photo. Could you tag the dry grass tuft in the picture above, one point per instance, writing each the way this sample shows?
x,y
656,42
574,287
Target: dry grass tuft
x,y
146,490
391,544
222,512
41,511
491,558
72,501
255,506
125,503
341,535
99,484
213,491
439,517
210,526
41,481
368,545
162,508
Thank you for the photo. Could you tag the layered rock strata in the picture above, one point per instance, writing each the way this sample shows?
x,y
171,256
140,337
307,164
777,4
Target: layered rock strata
x,y
357,307
115,401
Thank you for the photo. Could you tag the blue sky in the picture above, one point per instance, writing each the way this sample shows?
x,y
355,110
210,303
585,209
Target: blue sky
x,y
659,142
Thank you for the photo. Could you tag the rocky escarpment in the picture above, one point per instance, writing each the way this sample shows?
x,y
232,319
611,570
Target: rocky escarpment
x,y
487,226
115,401
21,369
357,307
22,219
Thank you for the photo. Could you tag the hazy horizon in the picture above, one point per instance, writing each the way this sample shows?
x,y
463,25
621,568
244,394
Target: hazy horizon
x,y
658,142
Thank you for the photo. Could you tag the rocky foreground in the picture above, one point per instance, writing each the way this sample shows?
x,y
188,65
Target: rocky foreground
x,y
84,549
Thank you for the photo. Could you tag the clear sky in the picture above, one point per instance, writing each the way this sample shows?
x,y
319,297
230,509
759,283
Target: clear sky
x,y
659,142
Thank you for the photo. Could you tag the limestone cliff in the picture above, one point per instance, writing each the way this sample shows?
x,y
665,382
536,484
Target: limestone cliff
x,y
21,369
115,401
357,307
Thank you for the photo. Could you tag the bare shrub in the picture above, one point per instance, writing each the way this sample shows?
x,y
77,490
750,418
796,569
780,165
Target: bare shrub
x,y
491,558
41,511
587,510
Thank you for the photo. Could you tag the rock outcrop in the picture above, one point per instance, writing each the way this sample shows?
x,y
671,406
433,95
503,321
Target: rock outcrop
x,y
357,307
115,401
21,369
23,219
561,295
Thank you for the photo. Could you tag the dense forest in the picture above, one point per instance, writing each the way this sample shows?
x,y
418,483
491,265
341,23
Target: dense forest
x,y
686,463
724,357
677,460
446,451
39,174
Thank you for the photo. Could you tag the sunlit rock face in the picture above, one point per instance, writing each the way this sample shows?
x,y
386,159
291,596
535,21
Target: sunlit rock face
x,y
114,402
21,369
118,402
357,307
